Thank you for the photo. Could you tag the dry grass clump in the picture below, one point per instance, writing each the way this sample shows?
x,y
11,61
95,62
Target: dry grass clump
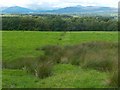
x,y
104,60
74,54
44,67
18,63
53,52
40,67
97,55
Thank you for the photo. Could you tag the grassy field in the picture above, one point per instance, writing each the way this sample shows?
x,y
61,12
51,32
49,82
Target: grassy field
x,y
64,76
23,44
18,44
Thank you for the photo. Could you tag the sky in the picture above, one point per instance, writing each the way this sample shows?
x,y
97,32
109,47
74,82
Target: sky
x,y
52,4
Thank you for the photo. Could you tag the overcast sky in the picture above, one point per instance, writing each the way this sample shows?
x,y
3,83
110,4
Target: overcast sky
x,y
57,3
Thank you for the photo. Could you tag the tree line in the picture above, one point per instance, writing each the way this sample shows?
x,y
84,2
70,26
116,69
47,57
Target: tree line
x,y
59,23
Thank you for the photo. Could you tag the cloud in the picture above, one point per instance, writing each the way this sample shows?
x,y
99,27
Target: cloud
x,y
8,3
57,3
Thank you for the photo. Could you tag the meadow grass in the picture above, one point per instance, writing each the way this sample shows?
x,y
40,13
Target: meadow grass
x,y
64,76
17,45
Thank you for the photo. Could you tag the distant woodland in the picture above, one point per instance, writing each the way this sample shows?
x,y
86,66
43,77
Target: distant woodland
x,y
59,23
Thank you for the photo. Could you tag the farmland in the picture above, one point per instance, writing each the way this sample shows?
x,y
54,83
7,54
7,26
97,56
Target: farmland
x,y
19,44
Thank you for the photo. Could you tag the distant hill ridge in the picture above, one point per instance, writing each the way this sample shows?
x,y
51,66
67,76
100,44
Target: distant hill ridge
x,y
17,9
67,10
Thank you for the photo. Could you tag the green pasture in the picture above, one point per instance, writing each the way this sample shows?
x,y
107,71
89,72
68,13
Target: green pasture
x,y
17,44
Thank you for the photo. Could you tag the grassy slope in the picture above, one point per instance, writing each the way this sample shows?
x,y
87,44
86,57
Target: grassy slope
x,y
65,76
19,44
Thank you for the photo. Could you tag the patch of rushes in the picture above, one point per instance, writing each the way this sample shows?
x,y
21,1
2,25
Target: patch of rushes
x,y
100,56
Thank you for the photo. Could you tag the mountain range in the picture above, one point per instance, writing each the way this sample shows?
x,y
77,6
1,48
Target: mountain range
x,y
67,10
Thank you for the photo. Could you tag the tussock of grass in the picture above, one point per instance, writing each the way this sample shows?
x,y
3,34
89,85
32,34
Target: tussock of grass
x,y
101,56
44,69
75,54
96,55
19,63
40,67
53,52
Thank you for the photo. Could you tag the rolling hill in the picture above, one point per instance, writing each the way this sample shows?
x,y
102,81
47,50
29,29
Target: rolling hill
x,y
67,10
17,10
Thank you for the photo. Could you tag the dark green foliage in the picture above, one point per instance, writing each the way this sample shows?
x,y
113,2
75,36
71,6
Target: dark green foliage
x,y
59,23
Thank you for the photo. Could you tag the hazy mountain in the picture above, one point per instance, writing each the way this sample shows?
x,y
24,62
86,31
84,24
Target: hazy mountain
x,y
17,10
87,9
67,10
2,8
